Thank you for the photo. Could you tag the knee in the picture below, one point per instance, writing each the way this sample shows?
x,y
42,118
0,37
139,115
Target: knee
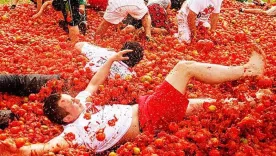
x,y
184,65
79,45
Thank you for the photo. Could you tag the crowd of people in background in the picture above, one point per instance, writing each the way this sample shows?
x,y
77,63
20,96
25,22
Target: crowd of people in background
x,y
148,16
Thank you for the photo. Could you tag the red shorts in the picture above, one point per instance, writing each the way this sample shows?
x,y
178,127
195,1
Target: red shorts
x,y
158,15
165,105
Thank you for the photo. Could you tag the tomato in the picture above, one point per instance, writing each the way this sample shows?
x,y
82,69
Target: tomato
x,y
19,142
100,136
15,130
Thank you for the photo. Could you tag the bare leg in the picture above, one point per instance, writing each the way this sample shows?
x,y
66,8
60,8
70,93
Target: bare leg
x,y
43,7
255,11
146,22
161,31
102,28
73,33
213,73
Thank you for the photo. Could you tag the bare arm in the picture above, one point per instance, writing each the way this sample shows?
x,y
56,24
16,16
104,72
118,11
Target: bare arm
x,y
103,72
39,13
192,22
54,145
214,20
169,6
39,4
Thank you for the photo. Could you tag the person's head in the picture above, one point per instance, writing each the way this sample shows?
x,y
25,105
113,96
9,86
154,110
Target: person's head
x,y
135,56
62,108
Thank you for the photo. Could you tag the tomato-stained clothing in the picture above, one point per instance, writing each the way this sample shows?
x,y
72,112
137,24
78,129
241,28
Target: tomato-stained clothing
x,y
85,130
98,56
203,9
163,3
117,10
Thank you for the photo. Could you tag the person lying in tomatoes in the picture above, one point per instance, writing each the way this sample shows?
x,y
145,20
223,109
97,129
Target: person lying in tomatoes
x,y
90,125
194,12
97,56
116,11
271,10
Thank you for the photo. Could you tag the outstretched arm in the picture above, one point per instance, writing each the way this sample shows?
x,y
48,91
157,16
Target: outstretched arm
x,y
214,20
54,145
39,13
103,72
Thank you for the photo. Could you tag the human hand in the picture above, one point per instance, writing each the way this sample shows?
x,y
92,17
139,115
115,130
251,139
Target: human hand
x,y
150,39
8,147
35,16
119,56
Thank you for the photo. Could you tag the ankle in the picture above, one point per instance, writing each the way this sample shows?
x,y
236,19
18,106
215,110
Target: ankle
x,y
241,9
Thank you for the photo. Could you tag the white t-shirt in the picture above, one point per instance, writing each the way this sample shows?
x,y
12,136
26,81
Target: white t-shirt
x,y
114,4
163,3
85,130
203,8
98,56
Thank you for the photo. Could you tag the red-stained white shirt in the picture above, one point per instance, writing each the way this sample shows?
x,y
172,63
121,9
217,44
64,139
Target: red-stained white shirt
x,y
98,56
203,8
85,130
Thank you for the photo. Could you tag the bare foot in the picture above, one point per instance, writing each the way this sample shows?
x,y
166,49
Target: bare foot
x,y
255,65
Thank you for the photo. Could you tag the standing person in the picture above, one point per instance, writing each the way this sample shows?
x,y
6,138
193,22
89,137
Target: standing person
x,y
98,56
192,13
74,16
117,10
167,104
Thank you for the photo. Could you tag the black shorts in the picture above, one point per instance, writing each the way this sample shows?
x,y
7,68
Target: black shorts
x,y
69,9
132,21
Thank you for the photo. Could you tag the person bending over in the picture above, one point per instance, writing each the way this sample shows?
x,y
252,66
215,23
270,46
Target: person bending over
x,y
116,11
194,12
152,113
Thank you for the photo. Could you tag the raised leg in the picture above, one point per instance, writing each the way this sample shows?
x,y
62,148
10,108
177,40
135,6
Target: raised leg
x,y
102,28
213,73
146,22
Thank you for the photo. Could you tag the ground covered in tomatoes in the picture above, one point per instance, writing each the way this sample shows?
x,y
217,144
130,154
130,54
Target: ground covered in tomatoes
x,y
39,46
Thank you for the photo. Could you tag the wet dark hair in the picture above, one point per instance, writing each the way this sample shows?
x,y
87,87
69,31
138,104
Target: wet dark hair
x,y
5,117
135,56
53,111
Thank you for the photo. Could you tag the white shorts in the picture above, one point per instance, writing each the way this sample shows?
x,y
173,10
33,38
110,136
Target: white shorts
x,y
271,11
184,33
117,16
